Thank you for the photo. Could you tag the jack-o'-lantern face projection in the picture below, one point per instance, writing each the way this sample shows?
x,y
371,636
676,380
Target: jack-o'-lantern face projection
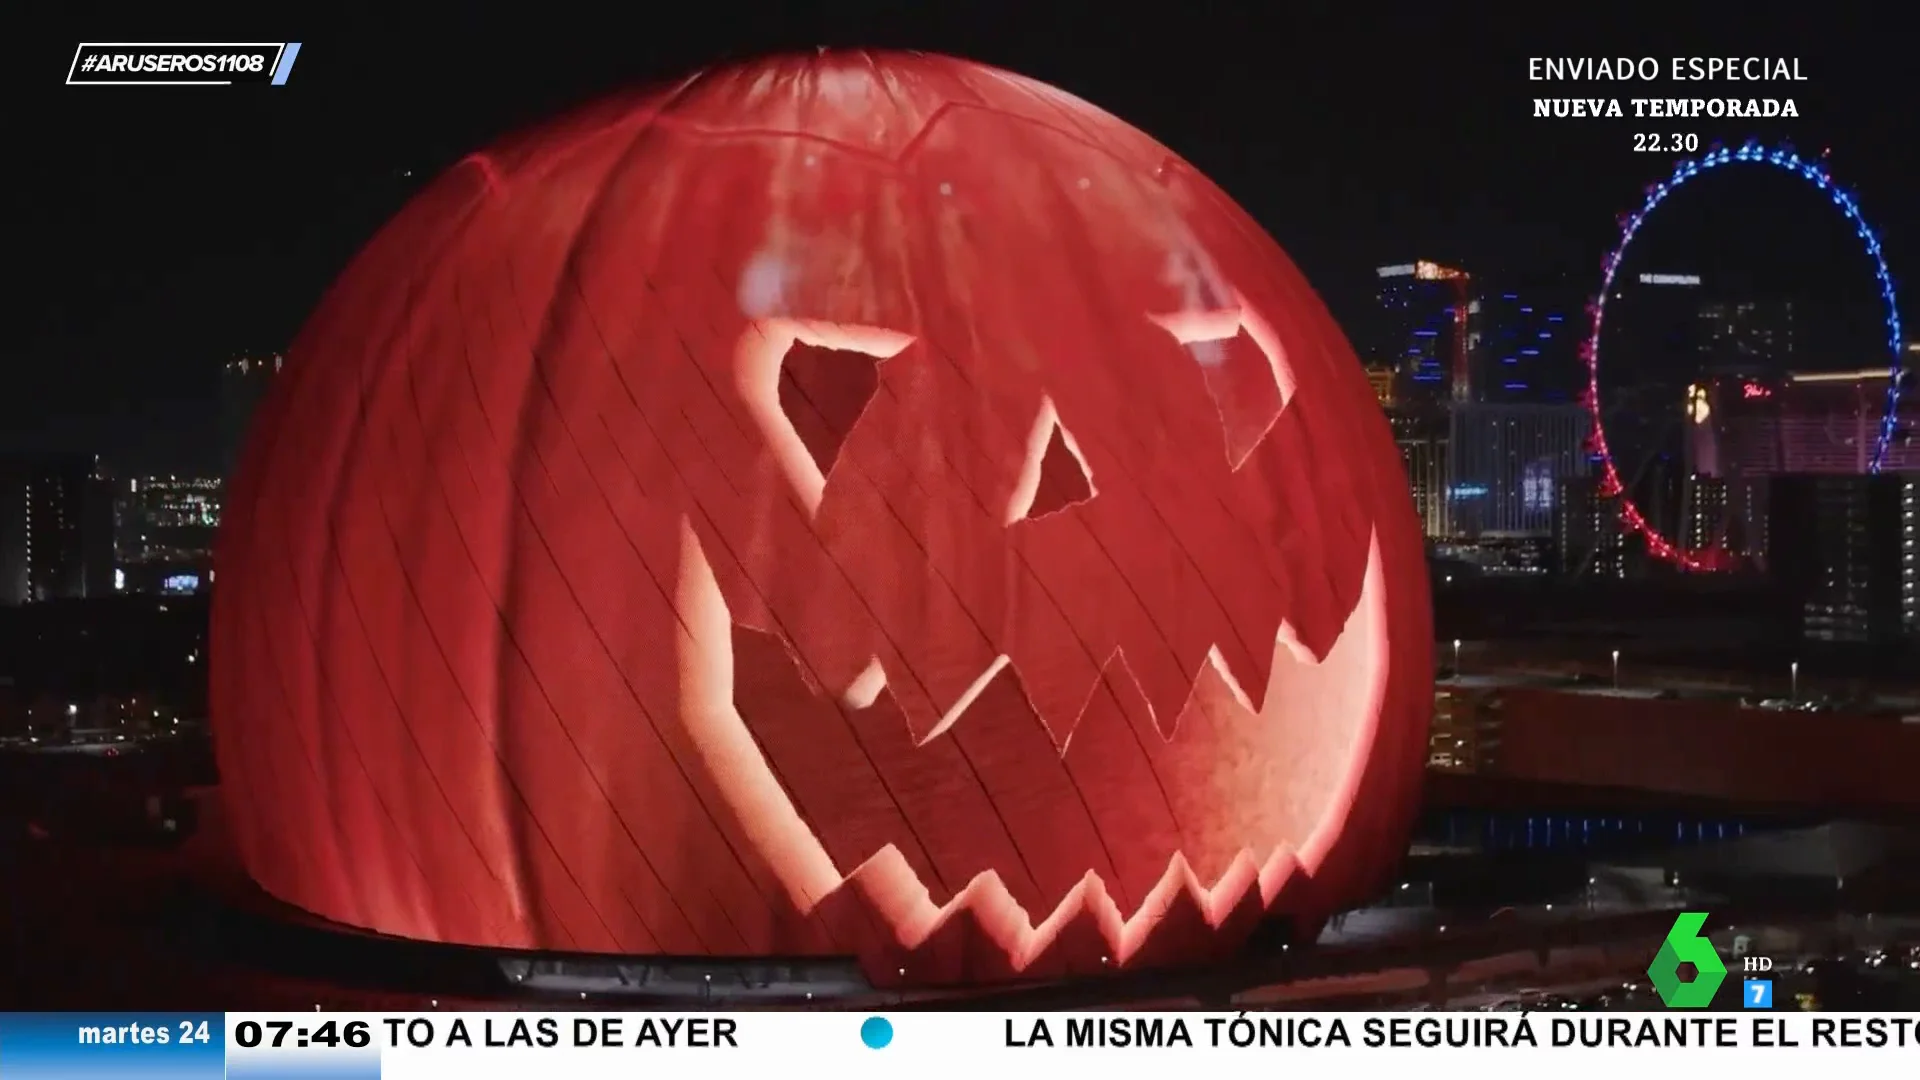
x,y
866,505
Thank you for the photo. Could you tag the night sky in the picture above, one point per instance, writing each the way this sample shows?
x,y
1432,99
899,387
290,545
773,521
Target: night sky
x,y
158,231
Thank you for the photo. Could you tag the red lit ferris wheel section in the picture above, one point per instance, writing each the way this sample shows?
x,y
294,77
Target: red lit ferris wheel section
x,y
1814,173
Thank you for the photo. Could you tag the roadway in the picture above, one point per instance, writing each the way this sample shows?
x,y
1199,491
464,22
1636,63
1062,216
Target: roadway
x,y
1667,686
1550,666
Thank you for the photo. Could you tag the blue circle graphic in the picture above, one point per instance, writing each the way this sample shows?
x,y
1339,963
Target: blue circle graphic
x,y
876,1032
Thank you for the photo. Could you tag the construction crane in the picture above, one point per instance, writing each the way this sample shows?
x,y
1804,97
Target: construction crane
x,y
1462,308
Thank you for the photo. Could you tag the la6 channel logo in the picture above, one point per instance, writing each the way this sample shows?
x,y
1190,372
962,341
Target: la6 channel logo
x,y
1685,944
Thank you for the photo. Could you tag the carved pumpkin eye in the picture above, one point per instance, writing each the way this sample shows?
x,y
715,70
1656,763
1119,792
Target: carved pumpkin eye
x,y
1245,368
806,384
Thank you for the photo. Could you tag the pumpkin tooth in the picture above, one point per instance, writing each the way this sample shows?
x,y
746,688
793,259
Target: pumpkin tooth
x,y
888,886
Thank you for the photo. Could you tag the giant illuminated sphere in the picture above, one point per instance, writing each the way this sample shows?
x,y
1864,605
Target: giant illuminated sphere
x,y
851,504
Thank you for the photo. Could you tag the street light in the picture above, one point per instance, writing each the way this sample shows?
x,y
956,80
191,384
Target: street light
x,y
1793,687
1456,658
1616,669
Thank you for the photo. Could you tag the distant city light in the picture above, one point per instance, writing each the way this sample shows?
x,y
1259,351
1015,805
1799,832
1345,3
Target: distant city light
x,y
1536,486
1698,408
1864,375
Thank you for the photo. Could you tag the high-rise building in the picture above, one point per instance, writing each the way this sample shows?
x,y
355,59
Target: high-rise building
x,y
1529,348
165,528
1721,504
56,529
1825,423
1653,331
1506,464
243,383
1743,430
1703,514
1910,556
1839,547
1832,421
1589,537
1425,330
1464,736
1422,437
1382,378
1746,337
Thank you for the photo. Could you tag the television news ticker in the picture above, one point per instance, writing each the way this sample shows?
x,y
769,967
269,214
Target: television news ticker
x,y
588,1045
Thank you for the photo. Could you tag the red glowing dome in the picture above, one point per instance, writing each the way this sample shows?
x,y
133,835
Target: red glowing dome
x,y
855,504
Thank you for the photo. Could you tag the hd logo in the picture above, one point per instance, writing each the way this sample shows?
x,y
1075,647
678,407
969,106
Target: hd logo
x,y
1685,944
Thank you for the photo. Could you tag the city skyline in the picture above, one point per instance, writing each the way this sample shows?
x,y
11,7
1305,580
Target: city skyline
x,y
156,276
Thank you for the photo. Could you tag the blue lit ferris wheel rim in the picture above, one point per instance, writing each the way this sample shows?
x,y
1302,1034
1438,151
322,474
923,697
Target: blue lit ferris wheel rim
x,y
1813,173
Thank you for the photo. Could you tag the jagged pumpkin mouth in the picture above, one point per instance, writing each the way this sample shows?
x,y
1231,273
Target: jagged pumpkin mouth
x,y
1338,698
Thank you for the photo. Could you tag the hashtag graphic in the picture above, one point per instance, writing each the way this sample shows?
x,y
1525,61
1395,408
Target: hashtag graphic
x,y
259,63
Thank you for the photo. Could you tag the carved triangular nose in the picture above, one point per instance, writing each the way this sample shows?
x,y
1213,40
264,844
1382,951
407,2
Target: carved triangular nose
x,y
1054,475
